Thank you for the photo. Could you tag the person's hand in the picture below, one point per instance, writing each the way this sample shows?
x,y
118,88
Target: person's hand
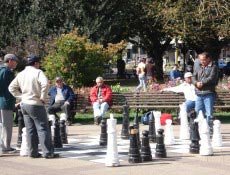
x,y
42,100
66,103
17,105
199,84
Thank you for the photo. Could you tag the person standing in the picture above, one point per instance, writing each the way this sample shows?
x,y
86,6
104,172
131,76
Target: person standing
x,y
141,72
61,99
150,68
32,85
7,100
206,79
101,98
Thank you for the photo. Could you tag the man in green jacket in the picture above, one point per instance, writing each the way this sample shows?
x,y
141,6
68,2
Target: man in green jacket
x,y
7,101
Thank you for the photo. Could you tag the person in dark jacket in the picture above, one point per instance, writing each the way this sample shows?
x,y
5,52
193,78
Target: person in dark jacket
x,y
61,99
206,79
7,101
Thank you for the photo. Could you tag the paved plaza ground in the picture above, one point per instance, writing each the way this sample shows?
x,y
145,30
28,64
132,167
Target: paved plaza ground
x,y
74,161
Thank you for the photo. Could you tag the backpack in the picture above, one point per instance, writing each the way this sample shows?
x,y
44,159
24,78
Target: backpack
x,y
145,117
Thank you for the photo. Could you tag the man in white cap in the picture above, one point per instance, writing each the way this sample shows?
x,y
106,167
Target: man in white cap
x,y
188,89
7,100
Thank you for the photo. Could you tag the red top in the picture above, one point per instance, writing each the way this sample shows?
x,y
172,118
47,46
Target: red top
x,y
106,93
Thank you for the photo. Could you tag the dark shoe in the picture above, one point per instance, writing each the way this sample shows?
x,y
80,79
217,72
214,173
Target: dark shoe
x,y
10,150
97,120
52,156
37,156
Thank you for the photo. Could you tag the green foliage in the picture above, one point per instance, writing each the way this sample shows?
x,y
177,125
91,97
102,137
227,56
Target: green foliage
x,y
117,88
78,60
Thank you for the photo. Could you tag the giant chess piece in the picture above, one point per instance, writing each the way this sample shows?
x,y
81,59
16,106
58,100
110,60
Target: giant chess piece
x,y
136,126
217,138
0,139
63,128
205,143
24,151
152,131
210,124
160,147
146,154
125,122
21,125
157,117
57,142
112,153
134,152
103,136
169,135
194,134
184,128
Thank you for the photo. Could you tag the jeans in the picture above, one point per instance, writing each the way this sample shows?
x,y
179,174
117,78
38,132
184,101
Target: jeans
x,y
142,80
37,127
100,109
57,107
205,104
189,105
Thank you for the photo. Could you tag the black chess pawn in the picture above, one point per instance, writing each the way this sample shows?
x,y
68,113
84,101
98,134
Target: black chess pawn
x,y
125,123
134,151
194,133
146,154
152,132
21,125
57,137
160,147
103,136
136,126
63,132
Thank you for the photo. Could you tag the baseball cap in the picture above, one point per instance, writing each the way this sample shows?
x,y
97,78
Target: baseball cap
x,y
58,79
32,59
188,74
10,56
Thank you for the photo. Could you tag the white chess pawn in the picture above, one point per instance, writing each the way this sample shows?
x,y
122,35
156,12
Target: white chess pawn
x,y
169,135
112,153
24,151
157,118
184,128
205,142
0,139
217,137
52,118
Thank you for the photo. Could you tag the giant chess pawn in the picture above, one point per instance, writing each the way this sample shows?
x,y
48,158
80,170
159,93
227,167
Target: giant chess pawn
x,y
205,142
112,153
103,135
152,131
136,126
134,152
63,127
157,117
20,126
24,151
57,136
217,138
160,146
125,122
194,134
169,135
184,129
0,139
146,154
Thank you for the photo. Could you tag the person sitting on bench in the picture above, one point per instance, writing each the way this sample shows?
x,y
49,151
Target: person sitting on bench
x,y
61,99
101,98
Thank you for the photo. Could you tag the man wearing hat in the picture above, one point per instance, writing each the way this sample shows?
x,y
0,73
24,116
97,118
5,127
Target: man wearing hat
x,y
188,89
61,99
7,101
31,85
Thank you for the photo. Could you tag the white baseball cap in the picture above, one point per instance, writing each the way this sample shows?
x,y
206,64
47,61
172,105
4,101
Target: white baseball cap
x,y
188,74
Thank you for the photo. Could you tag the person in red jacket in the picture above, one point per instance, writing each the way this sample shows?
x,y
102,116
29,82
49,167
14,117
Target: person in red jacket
x,y
101,98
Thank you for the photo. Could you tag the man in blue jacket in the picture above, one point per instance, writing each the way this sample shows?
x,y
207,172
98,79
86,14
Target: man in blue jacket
x,y
61,99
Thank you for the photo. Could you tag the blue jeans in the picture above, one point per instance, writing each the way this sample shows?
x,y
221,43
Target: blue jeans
x,y
189,105
205,104
37,126
142,80
100,109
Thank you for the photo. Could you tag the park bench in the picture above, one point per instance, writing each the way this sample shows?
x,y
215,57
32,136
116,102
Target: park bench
x,y
150,101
